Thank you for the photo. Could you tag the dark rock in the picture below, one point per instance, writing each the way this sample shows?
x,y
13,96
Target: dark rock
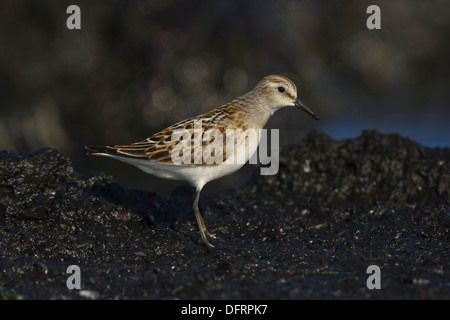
x,y
41,267
311,231
374,168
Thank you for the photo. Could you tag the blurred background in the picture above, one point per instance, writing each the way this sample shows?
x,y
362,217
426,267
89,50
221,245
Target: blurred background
x,y
136,67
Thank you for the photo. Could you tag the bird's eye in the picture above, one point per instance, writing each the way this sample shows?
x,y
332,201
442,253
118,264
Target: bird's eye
x,y
281,89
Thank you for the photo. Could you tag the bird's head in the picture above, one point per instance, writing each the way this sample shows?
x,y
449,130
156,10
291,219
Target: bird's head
x,y
280,92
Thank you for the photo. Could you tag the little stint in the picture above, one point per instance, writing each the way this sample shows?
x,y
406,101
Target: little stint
x,y
156,155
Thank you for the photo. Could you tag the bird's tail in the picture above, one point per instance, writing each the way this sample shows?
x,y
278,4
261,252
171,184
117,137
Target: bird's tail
x,y
100,150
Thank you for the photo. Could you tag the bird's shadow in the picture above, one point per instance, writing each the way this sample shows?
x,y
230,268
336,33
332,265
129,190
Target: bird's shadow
x,y
148,206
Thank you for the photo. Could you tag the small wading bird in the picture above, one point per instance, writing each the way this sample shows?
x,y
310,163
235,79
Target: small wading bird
x,y
250,111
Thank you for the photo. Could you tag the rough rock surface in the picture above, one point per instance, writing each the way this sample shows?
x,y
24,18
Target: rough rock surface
x,y
311,231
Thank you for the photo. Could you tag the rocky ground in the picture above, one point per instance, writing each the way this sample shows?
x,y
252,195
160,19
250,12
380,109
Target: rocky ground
x,y
311,231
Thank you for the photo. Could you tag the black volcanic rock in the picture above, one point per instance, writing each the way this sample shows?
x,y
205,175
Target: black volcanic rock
x,y
310,231
374,168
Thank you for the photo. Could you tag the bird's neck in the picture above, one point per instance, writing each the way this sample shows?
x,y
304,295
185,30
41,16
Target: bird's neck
x,y
254,109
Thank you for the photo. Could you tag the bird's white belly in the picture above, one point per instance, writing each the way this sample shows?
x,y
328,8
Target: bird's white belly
x,y
195,174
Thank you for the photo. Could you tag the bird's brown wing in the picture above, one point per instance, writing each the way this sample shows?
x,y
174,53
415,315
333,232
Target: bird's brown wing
x,y
198,140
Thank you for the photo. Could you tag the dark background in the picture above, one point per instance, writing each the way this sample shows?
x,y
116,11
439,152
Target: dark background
x,y
136,67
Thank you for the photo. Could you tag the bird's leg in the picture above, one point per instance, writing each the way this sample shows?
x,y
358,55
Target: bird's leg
x,y
200,222
203,225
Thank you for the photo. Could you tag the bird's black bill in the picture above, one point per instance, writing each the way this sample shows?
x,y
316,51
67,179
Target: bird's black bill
x,y
302,106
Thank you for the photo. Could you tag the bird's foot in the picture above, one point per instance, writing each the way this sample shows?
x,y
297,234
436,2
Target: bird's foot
x,y
211,235
205,239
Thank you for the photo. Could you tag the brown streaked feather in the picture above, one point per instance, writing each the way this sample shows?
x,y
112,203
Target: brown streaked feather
x,y
159,146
